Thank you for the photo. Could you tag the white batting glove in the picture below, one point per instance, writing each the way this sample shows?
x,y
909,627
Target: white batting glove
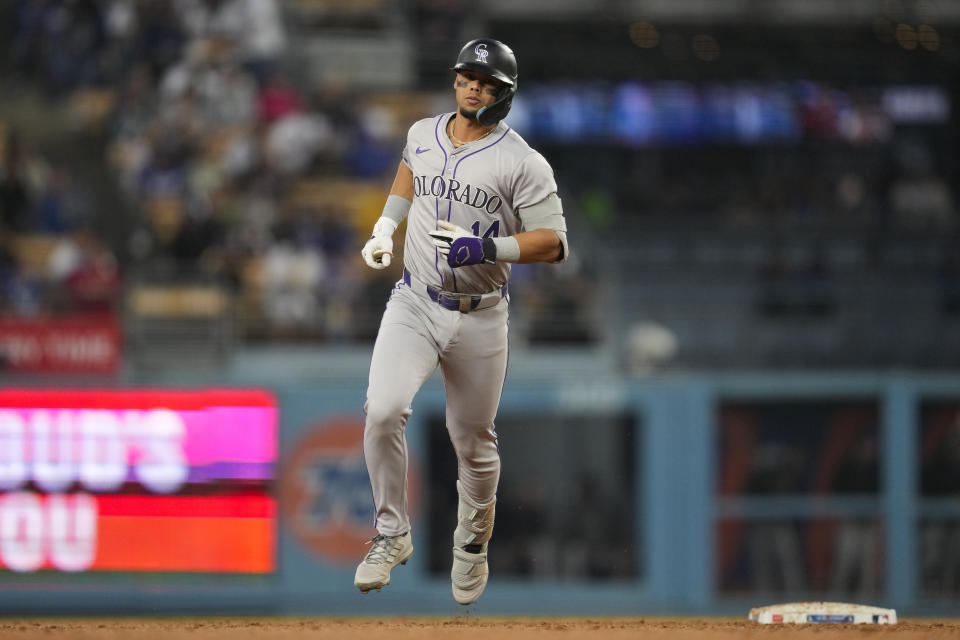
x,y
378,251
445,235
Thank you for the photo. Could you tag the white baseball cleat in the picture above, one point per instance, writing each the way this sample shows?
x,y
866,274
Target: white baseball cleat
x,y
469,575
474,528
385,553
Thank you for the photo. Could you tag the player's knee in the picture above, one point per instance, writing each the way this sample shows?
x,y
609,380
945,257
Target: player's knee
x,y
482,473
386,415
477,447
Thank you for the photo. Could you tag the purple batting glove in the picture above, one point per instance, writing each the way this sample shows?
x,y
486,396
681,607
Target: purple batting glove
x,y
469,250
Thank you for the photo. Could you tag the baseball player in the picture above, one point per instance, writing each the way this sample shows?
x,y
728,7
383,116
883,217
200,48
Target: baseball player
x,y
477,199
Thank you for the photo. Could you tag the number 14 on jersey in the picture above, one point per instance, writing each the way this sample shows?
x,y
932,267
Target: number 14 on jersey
x,y
492,231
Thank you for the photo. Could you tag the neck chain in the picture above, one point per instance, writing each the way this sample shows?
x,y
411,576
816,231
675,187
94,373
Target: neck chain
x,y
457,141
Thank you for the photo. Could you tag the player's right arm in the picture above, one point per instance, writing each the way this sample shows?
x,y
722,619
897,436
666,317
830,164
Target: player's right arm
x,y
378,251
403,182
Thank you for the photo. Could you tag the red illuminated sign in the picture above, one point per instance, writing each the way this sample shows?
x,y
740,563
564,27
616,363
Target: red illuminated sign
x,y
62,344
137,480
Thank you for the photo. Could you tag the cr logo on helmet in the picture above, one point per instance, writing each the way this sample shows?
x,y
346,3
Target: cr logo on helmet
x,y
481,52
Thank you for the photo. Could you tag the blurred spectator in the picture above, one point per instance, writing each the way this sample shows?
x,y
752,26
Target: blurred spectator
x,y
253,27
920,199
28,30
776,557
51,209
63,204
21,286
24,294
232,96
89,273
372,149
60,42
161,37
293,140
265,40
8,271
775,548
14,193
197,234
164,176
294,273
213,19
212,130
853,200
277,99
858,553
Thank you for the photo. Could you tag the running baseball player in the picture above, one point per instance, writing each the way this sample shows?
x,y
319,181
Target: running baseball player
x,y
478,199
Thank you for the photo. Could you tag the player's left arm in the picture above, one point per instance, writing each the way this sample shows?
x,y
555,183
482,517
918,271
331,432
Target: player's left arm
x,y
544,238
538,245
544,235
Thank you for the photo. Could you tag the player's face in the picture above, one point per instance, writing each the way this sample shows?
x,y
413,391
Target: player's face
x,y
475,91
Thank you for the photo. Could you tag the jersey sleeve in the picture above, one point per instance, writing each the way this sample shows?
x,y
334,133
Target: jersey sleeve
x,y
533,181
405,153
416,134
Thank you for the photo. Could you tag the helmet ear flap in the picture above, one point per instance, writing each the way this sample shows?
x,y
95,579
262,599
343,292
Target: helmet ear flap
x,y
499,109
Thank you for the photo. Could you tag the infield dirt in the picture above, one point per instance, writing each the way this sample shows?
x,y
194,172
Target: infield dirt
x,y
459,628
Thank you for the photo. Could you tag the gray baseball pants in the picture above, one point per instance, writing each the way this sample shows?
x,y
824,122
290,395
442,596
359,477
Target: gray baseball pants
x,y
417,334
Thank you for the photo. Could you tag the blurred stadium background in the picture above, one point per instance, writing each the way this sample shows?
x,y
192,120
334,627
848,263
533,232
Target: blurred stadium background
x,y
744,386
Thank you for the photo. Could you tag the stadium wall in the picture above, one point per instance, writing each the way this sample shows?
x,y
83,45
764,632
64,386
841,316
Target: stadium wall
x,y
676,456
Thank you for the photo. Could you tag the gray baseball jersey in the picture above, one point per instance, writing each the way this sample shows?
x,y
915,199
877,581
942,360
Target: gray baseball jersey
x,y
479,186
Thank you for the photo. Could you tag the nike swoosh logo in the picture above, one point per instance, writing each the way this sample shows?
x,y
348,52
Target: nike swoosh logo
x,y
419,150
